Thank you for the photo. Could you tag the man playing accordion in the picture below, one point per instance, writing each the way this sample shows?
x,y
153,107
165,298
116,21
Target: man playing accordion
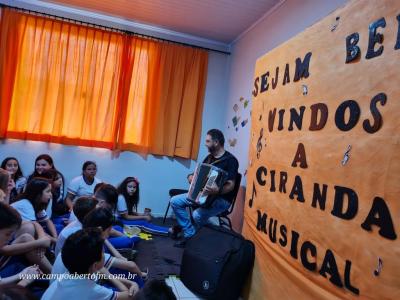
x,y
221,196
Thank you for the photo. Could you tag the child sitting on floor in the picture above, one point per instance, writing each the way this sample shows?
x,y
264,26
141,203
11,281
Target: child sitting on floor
x,y
102,218
128,200
83,254
82,206
82,185
12,268
32,205
11,165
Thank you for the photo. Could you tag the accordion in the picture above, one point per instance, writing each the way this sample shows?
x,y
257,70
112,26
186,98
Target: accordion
x,y
205,175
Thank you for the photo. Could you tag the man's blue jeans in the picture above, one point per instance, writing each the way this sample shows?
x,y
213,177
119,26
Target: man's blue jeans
x,y
200,215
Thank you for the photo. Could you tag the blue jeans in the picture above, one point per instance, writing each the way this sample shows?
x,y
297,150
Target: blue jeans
x,y
200,215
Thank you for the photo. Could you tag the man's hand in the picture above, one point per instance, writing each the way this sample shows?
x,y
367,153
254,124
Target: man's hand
x,y
190,178
212,190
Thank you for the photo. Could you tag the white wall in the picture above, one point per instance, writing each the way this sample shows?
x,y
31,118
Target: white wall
x,y
156,174
287,20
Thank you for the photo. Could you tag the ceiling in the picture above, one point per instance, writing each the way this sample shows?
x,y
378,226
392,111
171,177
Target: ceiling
x,y
217,20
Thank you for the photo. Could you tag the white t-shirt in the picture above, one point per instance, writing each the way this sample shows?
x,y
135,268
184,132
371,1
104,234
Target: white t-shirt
x,y
59,268
78,187
121,205
78,289
20,184
27,212
65,233
49,208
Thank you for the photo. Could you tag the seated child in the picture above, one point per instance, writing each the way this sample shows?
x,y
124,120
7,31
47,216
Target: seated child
x,y
32,205
107,196
128,200
58,207
6,185
11,165
82,185
12,268
82,206
102,218
83,254
56,210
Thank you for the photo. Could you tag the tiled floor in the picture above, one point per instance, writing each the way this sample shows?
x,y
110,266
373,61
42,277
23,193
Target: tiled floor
x,y
180,290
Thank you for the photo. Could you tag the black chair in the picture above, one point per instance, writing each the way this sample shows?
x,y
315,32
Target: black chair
x,y
223,218
172,193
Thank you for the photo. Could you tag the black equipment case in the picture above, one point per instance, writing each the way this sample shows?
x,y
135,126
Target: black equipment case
x,y
216,263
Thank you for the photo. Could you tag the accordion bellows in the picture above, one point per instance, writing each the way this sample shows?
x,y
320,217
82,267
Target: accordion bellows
x,y
205,175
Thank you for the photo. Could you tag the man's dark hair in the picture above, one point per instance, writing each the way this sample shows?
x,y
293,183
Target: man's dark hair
x,y
9,217
82,249
99,217
83,206
217,135
155,290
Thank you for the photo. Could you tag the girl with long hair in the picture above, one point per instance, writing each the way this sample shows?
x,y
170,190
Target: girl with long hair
x,y
128,200
127,206
11,165
32,204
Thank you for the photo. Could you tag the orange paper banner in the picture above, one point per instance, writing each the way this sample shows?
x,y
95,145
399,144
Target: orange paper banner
x,y
322,203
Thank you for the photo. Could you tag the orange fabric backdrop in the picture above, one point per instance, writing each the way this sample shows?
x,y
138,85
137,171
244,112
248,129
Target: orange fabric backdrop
x,y
306,250
74,84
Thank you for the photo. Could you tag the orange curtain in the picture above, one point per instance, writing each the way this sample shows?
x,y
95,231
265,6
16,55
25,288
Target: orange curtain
x,y
10,38
74,84
66,83
165,99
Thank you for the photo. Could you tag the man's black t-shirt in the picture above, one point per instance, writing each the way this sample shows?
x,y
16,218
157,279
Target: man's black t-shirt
x,y
228,163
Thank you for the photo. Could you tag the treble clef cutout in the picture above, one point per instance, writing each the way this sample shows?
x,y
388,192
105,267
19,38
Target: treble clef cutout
x,y
259,143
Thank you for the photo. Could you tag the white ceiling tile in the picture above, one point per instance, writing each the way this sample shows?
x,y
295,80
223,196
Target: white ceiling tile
x,y
219,20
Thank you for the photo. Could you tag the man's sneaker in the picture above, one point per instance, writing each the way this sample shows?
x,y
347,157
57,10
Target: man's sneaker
x,y
175,232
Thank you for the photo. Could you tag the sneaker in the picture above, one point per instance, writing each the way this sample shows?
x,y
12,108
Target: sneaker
x,y
175,231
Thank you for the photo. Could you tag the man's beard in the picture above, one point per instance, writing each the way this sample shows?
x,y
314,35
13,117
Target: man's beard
x,y
211,149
